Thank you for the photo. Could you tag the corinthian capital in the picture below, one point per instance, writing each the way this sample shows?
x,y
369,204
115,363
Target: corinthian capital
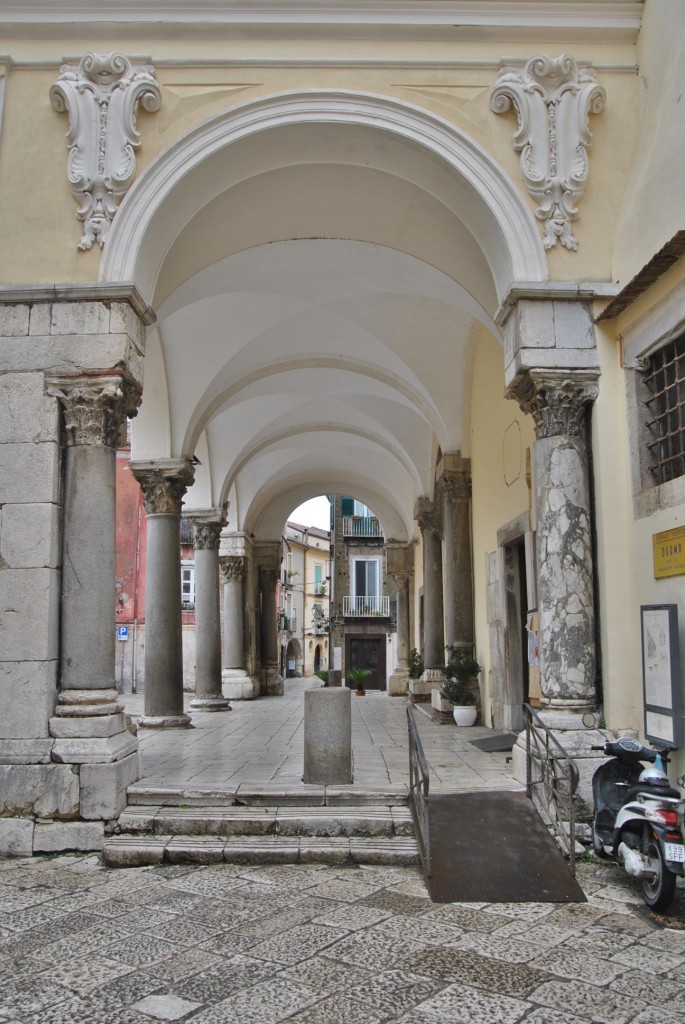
x,y
232,568
163,482
95,405
556,399
425,514
102,96
207,526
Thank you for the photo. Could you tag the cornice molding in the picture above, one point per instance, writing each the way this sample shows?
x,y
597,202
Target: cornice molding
x,y
615,19
115,292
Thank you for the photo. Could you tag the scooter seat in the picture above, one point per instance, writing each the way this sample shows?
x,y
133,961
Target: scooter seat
x,y
652,790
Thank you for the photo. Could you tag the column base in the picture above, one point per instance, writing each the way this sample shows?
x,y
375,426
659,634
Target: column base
x,y
210,704
398,683
274,686
165,722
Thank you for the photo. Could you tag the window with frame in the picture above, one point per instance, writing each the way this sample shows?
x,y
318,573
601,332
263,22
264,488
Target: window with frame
x,y
187,586
366,577
664,381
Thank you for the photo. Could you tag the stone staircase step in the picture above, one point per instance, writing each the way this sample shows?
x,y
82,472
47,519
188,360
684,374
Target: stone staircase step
x,y
139,850
345,820
142,793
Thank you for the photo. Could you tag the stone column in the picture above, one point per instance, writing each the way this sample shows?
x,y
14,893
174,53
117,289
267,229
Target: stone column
x,y
207,527
89,726
237,684
455,484
268,624
433,639
163,482
557,401
400,567
433,627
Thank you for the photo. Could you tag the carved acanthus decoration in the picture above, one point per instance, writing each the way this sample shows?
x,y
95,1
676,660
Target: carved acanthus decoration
x,y
425,514
101,96
207,526
553,101
95,406
232,569
163,484
556,400
456,486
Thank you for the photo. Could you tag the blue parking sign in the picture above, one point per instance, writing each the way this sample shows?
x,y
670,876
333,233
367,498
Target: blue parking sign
x,y
122,632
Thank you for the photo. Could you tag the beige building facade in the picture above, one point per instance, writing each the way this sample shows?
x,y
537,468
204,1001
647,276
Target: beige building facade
x,y
426,254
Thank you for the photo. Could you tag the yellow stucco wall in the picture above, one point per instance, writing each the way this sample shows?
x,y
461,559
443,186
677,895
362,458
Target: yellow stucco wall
x,y
200,79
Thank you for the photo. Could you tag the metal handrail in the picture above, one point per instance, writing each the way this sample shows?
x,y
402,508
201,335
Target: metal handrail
x,y
553,790
419,784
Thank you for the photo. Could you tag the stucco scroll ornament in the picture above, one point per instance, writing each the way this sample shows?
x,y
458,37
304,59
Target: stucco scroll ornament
x,y
553,101
102,96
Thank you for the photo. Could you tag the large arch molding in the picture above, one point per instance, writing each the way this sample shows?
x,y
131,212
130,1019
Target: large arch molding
x,y
180,182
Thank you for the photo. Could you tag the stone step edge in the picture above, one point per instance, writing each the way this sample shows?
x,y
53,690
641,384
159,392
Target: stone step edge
x,y
365,821
132,851
266,796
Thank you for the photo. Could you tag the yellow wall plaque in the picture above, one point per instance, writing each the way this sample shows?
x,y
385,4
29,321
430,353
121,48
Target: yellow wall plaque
x,y
669,553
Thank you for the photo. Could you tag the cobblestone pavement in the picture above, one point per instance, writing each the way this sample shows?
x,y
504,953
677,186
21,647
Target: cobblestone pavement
x,y
84,944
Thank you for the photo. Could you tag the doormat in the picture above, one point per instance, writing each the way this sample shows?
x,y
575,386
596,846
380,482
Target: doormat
x,y
494,744
492,847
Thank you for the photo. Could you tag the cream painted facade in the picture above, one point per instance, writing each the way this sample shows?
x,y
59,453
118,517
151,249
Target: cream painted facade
x,y
311,263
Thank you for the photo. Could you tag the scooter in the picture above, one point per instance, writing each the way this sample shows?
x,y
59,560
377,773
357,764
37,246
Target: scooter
x,y
638,817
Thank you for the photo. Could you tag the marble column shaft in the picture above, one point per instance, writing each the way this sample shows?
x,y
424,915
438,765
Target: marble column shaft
x,y
89,725
557,400
458,567
207,527
163,482
232,569
433,632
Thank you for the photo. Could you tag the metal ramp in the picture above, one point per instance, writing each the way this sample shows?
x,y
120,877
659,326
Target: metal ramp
x,y
493,846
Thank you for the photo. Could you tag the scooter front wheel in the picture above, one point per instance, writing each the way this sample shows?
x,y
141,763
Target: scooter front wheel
x,y
597,844
658,891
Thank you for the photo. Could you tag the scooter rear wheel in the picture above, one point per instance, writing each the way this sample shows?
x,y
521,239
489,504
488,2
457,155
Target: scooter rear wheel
x,y
658,891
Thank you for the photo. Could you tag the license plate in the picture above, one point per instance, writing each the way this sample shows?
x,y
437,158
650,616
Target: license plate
x,y
675,851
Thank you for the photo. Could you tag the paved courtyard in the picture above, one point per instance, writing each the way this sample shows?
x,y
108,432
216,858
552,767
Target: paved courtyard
x,y
309,944
262,742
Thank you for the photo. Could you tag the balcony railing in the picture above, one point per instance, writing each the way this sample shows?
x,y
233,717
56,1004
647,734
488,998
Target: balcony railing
x,y
354,526
288,623
366,607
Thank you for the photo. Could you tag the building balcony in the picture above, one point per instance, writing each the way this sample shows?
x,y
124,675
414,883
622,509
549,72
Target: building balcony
x,y
288,623
366,607
358,526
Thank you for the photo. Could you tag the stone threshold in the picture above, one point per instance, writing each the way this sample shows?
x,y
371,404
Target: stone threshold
x,y
266,796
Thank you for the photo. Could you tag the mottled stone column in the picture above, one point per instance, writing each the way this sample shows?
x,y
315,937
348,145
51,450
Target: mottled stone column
x,y
557,401
232,578
89,725
163,482
455,484
207,527
268,627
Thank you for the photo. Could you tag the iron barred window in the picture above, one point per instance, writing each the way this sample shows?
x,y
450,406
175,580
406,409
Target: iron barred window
x,y
665,381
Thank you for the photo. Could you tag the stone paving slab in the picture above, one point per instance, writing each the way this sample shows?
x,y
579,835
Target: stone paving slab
x,y
314,944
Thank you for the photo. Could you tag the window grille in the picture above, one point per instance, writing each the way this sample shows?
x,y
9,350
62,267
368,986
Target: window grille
x,y
665,382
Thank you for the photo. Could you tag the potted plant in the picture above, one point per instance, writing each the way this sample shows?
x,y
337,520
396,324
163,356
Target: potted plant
x,y
460,674
357,676
415,664
323,675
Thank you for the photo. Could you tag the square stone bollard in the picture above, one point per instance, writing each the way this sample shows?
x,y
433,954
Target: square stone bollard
x,y
328,736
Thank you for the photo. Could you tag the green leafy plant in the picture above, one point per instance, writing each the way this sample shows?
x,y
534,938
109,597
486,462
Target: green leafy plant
x,y
416,665
323,675
459,672
357,676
